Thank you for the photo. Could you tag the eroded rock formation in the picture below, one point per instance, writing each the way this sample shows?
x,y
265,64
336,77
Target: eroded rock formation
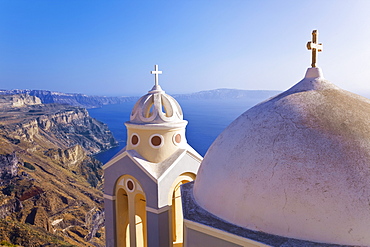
x,y
74,99
19,100
50,186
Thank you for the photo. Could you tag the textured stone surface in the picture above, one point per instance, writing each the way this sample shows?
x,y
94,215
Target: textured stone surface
x,y
297,165
193,212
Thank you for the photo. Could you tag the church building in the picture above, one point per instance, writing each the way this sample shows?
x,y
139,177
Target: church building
x,y
293,170
142,182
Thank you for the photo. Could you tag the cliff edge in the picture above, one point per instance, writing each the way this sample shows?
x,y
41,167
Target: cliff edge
x,y
50,186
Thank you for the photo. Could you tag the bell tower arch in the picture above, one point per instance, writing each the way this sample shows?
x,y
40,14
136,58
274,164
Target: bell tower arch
x,y
130,212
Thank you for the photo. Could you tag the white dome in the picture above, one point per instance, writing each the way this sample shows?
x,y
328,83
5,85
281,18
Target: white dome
x,y
156,129
297,165
156,107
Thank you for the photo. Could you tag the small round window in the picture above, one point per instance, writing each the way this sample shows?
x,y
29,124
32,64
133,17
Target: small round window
x,y
135,139
177,138
130,185
156,141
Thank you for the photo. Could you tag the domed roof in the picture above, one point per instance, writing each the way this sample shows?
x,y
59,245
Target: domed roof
x,y
296,165
157,107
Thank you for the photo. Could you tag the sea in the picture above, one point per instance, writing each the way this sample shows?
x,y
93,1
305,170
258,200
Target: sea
x,y
206,120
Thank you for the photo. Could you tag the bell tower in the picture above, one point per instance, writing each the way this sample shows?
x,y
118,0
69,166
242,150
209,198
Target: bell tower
x,y
156,128
141,188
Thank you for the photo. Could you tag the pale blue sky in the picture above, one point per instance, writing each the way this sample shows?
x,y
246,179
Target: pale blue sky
x,y
109,47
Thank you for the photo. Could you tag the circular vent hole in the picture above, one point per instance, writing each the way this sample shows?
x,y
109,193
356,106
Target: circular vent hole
x,y
156,141
134,140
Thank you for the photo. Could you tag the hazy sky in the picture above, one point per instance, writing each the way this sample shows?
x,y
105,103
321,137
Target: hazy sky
x,y
110,47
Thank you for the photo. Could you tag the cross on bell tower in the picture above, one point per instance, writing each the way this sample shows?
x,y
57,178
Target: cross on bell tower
x,y
156,72
315,47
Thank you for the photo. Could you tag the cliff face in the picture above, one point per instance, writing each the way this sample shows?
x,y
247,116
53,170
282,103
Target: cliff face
x,y
50,188
57,126
74,99
18,100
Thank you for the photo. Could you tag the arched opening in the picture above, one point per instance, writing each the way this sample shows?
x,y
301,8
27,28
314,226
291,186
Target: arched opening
x,y
140,220
130,213
166,107
177,216
148,107
122,217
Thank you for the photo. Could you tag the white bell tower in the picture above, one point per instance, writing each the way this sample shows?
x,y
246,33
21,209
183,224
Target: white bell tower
x,y
141,190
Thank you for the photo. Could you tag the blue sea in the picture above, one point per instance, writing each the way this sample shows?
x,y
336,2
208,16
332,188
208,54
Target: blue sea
x,y
206,120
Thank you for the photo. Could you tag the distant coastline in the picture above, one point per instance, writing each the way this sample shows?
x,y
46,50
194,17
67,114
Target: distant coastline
x,y
87,101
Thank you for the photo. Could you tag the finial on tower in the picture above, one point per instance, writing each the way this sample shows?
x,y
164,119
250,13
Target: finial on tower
x,y
315,47
156,73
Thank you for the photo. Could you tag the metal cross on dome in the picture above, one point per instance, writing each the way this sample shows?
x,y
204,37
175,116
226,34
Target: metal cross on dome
x,y
315,47
156,73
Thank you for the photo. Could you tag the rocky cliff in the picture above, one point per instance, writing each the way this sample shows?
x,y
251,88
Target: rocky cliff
x,y
74,99
18,100
50,188
54,125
